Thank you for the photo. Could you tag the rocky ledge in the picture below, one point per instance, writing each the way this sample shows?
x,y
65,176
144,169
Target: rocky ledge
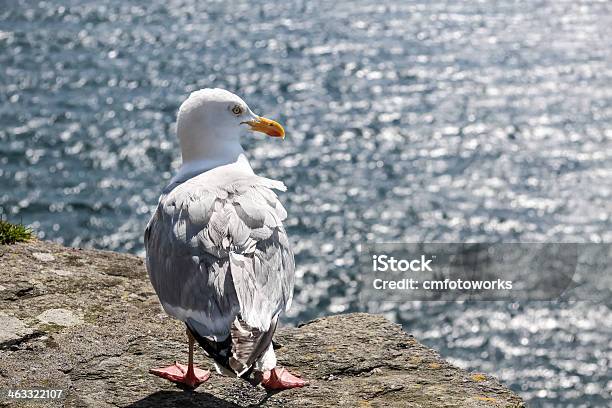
x,y
88,322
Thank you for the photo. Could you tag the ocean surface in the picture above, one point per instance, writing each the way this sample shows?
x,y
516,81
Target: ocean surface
x,y
406,121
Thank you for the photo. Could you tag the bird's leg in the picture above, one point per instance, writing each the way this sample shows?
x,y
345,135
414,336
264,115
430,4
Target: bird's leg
x,y
194,375
279,378
189,375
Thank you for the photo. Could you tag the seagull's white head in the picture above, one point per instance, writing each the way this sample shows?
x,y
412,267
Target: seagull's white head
x,y
210,123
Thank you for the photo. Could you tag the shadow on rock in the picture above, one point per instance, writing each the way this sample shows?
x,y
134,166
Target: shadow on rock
x,y
173,399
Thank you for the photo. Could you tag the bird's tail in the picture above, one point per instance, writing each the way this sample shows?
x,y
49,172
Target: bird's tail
x,y
238,353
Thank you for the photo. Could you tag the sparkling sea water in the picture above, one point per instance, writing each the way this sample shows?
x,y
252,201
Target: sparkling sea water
x,y
411,121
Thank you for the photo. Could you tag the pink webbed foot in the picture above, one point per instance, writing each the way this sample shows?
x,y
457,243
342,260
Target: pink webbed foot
x,y
181,374
281,379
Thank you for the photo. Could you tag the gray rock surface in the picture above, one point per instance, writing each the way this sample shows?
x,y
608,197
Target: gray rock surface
x,y
60,317
110,330
12,330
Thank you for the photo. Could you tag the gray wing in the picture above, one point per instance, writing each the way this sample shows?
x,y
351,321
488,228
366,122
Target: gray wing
x,y
217,250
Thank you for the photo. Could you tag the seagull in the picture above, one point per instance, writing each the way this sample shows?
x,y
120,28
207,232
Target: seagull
x,y
217,253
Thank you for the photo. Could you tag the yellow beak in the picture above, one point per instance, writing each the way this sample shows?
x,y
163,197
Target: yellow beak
x,y
267,126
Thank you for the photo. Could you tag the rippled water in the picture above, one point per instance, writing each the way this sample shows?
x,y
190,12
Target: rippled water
x,y
407,121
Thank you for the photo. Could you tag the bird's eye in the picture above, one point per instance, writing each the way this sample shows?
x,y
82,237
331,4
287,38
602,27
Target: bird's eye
x,y
237,110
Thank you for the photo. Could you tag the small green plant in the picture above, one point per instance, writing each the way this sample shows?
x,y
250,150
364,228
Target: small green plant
x,y
11,233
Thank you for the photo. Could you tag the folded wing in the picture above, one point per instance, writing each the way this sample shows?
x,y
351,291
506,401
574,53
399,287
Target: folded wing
x,y
219,259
